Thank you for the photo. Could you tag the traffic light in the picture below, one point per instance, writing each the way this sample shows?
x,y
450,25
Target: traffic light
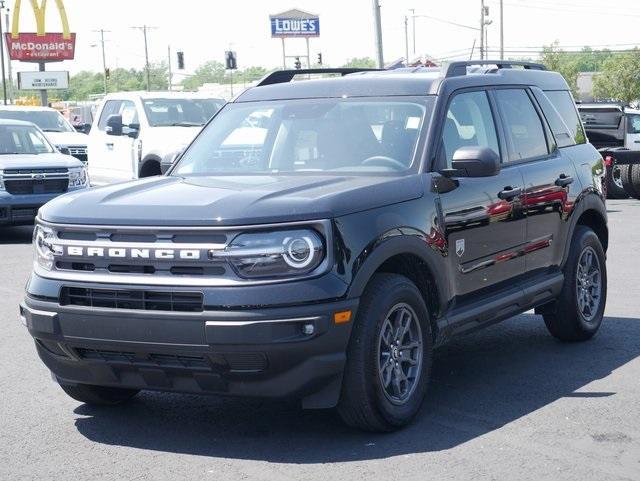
x,y
319,58
297,63
107,73
230,60
180,60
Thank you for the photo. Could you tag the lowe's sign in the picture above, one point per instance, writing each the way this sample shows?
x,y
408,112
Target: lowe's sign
x,y
285,26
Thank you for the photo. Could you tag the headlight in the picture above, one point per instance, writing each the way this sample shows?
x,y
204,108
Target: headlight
x,y
44,245
1,180
276,254
78,177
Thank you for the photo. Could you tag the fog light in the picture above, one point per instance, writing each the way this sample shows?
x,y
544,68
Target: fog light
x,y
308,329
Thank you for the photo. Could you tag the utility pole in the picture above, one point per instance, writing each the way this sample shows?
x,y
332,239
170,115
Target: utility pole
x,y
169,64
144,29
104,59
4,79
501,31
406,41
377,23
413,27
481,29
7,29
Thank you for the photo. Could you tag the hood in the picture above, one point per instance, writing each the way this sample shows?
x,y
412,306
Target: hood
x,y
64,139
38,161
230,200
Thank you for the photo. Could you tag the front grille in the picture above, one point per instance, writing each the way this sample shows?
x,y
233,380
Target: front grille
x,y
132,299
36,186
79,152
144,359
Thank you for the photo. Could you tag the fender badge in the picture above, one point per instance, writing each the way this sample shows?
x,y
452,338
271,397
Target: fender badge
x,y
460,247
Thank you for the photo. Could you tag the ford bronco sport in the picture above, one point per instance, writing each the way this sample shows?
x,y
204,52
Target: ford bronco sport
x,y
319,238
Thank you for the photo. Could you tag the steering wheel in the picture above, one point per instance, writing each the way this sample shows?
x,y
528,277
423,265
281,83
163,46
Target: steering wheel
x,y
383,159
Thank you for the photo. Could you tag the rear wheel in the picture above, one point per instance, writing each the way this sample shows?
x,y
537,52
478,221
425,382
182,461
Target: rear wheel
x,y
627,184
577,313
389,356
634,177
98,395
615,188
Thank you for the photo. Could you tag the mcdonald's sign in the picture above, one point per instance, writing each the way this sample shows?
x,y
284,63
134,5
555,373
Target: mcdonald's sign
x,y
40,46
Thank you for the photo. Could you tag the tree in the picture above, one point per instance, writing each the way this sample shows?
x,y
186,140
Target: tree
x,y
209,72
360,62
620,78
556,59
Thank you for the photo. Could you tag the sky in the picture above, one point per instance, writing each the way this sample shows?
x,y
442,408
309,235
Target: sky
x,y
204,29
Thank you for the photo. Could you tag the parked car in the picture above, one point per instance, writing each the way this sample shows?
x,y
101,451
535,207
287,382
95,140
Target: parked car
x,y
133,131
614,129
57,129
323,252
32,172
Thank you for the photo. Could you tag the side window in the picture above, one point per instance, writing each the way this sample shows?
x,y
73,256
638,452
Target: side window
x,y
633,124
566,107
561,132
469,122
128,112
522,124
110,108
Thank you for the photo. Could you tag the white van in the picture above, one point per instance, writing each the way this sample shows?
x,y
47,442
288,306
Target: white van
x,y
133,131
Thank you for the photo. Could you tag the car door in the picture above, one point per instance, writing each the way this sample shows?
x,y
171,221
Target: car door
x,y
550,178
122,146
100,145
483,222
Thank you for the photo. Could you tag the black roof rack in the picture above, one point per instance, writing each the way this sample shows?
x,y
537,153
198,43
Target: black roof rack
x,y
457,69
283,76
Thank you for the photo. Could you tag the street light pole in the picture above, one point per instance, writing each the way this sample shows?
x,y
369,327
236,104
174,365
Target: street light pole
x,y
377,24
501,31
481,29
413,27
104,60
406,41
4,80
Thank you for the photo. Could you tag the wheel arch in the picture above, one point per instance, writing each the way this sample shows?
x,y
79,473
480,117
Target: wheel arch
x,y
148,164
592,214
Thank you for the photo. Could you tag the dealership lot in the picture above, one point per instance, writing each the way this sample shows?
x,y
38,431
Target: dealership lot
x,y
507,403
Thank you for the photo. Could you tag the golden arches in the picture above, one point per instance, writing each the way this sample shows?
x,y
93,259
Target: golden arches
x,y
39,10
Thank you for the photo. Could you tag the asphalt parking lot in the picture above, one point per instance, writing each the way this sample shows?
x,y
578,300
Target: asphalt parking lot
x,y
507,403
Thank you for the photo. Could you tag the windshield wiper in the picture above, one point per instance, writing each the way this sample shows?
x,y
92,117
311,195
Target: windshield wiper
x,y
183,124
52,130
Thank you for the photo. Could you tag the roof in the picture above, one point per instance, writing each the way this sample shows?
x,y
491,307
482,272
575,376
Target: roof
x,y
16,122
404,81
27,107
294,13
159,95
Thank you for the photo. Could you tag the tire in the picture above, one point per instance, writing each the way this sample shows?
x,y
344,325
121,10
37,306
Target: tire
x,y
569,319
625,176
364,402
615,188
98,395
634,176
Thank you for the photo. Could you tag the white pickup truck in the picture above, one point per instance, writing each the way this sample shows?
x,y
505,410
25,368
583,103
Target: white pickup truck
x,y
133,131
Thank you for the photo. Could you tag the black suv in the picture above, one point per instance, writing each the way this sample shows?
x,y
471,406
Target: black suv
x,y
319,238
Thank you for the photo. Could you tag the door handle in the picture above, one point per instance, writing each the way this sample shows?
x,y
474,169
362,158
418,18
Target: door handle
x,y
509,192
636,141
564,180
109,145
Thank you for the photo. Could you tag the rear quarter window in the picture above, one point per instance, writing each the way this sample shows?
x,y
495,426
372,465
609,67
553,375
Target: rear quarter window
x,y
566,107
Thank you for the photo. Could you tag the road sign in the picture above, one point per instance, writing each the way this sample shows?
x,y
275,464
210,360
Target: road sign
x,y
43,80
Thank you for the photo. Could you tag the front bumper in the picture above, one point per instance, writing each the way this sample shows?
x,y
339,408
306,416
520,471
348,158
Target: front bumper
x,y
23,209
259,352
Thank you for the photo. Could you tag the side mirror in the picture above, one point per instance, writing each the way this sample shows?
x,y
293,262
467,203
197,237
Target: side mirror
x,y
475,161
114,125
64,150
133,130
168,161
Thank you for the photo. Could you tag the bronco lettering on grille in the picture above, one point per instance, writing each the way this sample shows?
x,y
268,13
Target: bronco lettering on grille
x,y
133,253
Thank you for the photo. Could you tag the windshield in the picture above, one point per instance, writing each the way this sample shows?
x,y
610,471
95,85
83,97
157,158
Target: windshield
x,y
47,120
23,139
310,135
180,112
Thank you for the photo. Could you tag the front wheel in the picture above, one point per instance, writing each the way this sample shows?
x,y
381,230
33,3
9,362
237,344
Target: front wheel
x,y
577,313
389,356
98,395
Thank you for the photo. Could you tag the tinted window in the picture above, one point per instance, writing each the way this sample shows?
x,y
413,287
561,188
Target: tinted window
x,y
22,139
564,104
47,120
111,107
180,112
633,124
522,124
561,133
309,135
469,122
